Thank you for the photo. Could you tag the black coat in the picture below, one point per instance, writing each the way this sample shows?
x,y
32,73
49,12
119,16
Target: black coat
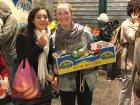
x,y
106,30
26,47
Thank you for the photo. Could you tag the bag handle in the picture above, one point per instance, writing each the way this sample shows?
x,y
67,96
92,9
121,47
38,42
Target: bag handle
x,y
24,62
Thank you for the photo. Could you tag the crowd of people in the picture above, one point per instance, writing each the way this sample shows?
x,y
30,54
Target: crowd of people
x,y
37,43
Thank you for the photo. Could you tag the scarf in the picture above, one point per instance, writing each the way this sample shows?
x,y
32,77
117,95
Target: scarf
x,y
42,59
63,38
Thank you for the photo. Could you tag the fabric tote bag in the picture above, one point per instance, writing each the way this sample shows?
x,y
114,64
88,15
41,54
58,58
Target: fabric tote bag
x,y
25,85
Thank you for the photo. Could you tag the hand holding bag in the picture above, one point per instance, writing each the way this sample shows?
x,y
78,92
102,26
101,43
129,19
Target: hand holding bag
x,y
25,84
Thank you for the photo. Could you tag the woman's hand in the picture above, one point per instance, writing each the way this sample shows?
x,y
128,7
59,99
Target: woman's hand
x,y
135,17
50,78
56,70
7,85
42,41
54,83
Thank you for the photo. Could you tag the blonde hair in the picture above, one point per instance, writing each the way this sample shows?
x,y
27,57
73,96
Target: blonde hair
x,y
67,4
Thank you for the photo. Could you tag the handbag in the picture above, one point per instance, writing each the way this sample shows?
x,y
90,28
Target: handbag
x,y
25,84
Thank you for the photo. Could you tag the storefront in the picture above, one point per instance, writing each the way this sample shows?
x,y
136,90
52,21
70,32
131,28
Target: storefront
x,y
85,12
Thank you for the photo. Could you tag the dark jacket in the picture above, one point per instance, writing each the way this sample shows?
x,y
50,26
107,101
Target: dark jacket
x,y
106,30
26,47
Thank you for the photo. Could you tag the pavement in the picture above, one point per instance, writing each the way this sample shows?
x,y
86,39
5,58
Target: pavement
x,y
106,92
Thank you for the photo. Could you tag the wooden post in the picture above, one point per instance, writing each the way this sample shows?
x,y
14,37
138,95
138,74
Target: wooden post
x,y
102,6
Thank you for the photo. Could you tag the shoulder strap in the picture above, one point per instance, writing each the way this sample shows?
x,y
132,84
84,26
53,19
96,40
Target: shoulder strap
x,y
116,36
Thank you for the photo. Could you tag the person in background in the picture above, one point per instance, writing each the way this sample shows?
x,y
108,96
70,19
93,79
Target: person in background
x,y
106,29
71,36
32,43
135,98
8,35
127,38
4,75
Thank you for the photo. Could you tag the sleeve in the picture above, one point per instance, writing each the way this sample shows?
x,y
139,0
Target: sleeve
x,y
130,30
3,68
88,34
51,60
106,32
25,49
8,29
89,38
20,48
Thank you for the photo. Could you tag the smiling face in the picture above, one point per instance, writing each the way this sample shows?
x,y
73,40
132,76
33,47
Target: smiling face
x,y
64,15
41,20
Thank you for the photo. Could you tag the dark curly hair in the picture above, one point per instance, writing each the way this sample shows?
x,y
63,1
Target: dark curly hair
x,y
133,7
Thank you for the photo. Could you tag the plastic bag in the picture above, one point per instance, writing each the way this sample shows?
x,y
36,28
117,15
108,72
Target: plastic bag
x,y
2,89
25,84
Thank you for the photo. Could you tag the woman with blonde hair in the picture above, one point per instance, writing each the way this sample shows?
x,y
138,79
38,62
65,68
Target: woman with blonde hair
x,y
71,36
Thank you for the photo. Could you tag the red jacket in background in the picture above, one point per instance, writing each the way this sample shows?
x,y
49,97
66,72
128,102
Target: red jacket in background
x,y
3,68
